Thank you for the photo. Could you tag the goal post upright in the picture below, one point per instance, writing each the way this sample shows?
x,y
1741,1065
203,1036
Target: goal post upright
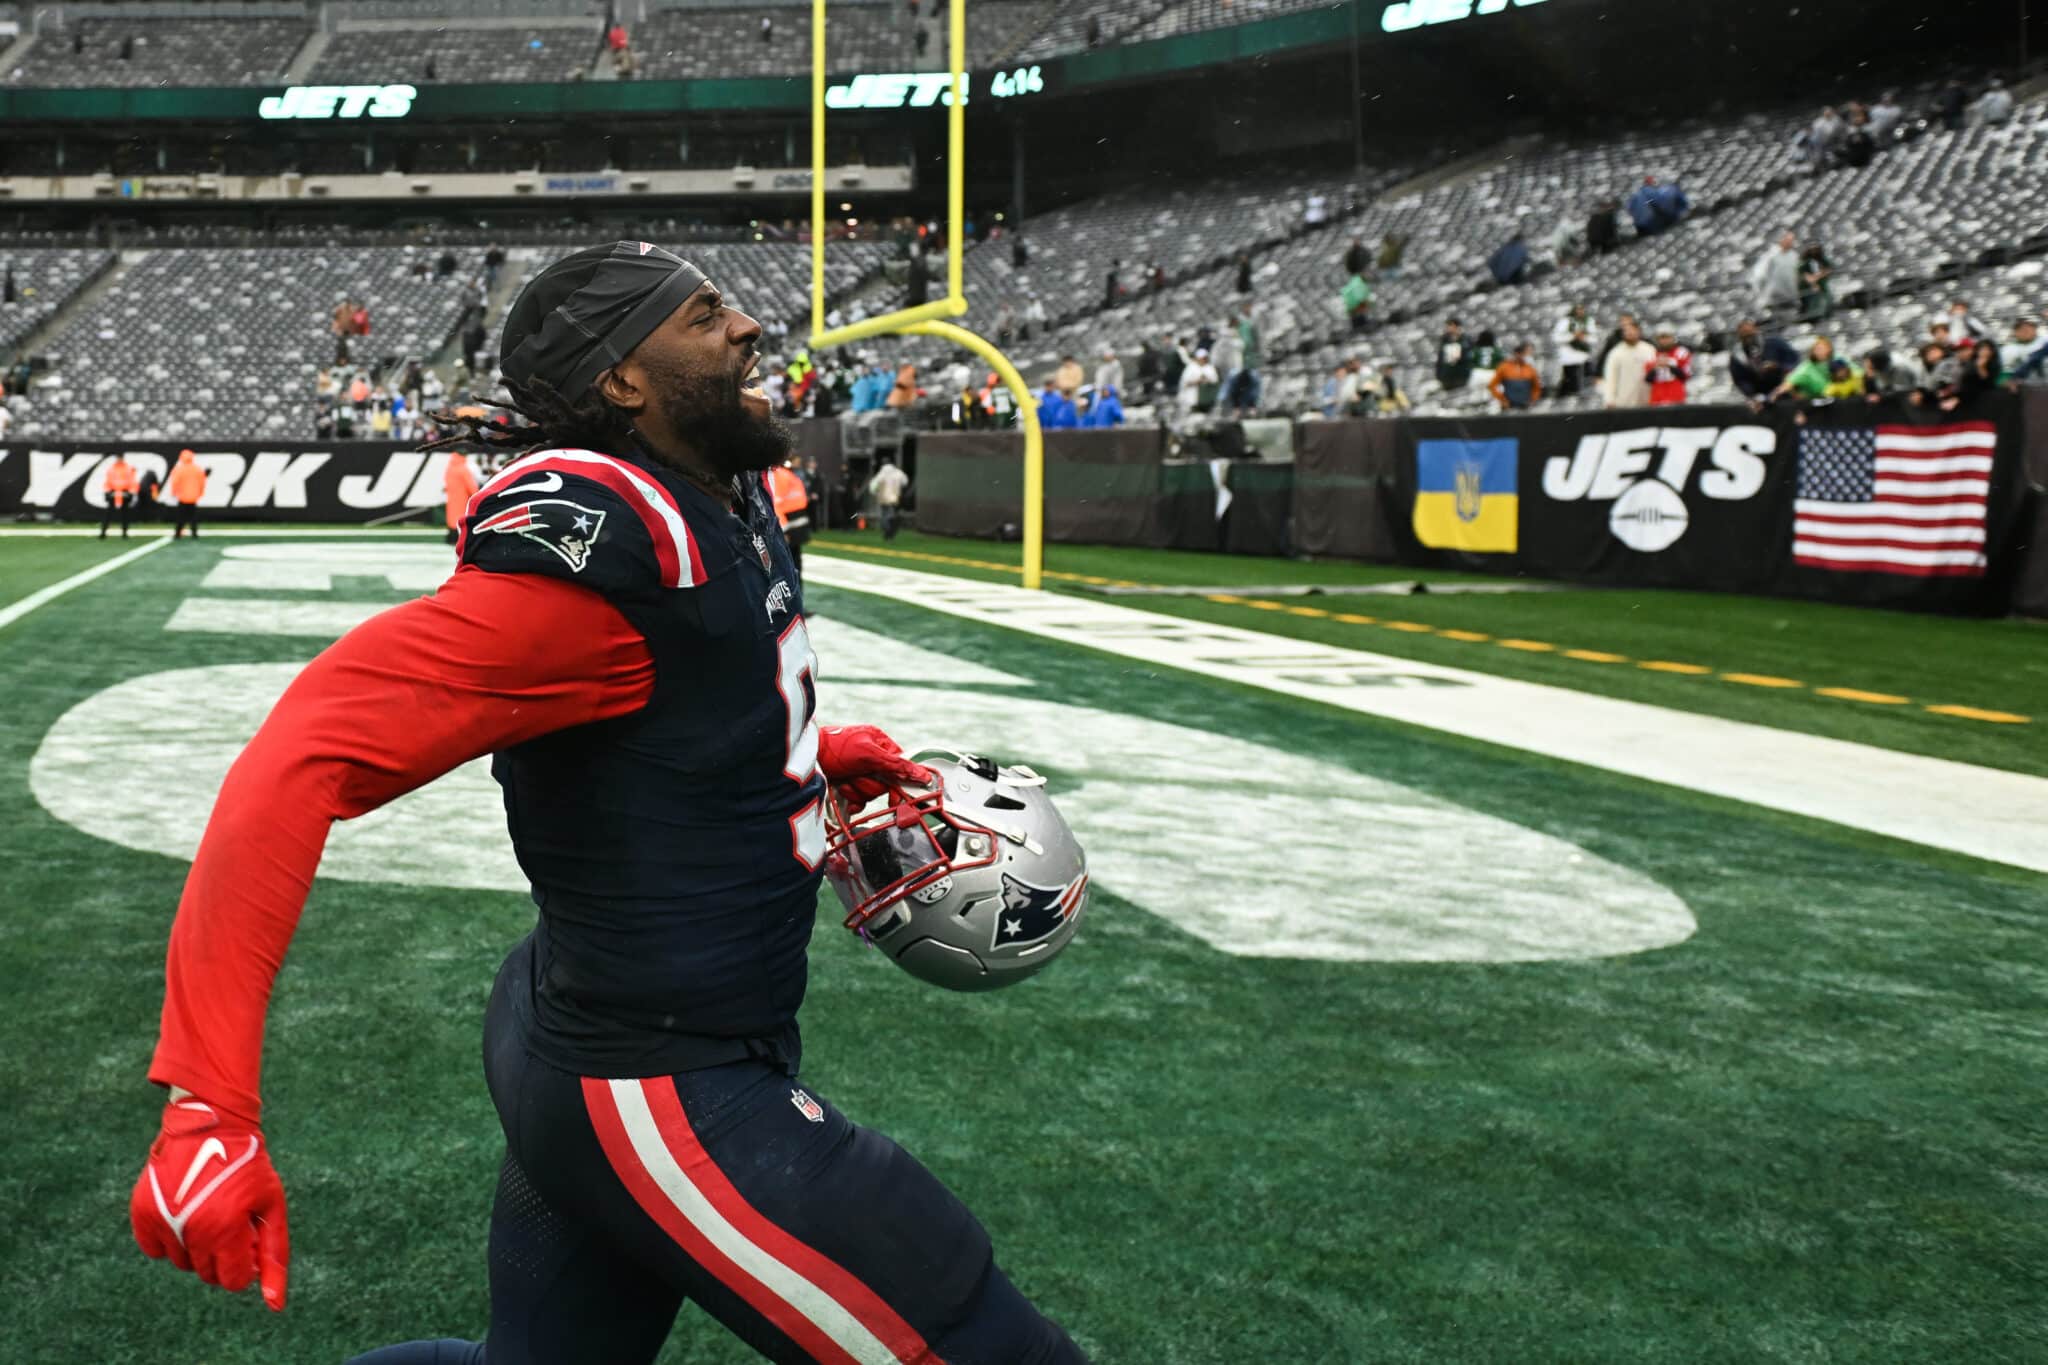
x,y
929,319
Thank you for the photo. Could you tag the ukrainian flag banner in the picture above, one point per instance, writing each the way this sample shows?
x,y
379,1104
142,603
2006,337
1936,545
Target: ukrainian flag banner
x,y
1465,495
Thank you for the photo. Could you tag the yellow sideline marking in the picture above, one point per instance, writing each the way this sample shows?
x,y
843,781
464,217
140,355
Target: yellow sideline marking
x,y
1593,656
1856,694
1974,713
1760,680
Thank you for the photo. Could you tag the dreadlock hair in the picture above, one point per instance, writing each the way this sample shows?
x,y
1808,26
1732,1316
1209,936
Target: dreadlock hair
x,y
591,422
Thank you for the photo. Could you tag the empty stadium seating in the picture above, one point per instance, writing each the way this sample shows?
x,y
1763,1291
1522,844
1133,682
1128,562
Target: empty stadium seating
x,y
458,56
43,282
725,40
139,53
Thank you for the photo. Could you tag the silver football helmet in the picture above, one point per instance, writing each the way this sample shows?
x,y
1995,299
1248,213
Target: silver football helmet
x,y
972,884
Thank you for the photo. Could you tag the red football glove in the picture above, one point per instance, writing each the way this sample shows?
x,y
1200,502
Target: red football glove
x,y
209,1199
864,763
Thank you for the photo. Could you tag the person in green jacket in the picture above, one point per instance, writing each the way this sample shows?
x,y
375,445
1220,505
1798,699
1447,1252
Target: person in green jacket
x,y
1812,378
1357,299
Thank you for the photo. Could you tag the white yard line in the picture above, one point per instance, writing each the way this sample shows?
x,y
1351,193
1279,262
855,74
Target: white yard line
x,y
1983,812
16,610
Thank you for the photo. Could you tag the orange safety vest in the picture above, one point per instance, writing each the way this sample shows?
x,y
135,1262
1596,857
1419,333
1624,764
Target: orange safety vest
x,y
786,490
121,482
460,484
187,484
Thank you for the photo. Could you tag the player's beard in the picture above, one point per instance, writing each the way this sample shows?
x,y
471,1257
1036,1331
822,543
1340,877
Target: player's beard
x,y
705,410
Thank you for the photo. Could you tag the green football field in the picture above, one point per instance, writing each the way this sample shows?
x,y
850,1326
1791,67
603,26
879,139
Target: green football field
x,y
1377,1044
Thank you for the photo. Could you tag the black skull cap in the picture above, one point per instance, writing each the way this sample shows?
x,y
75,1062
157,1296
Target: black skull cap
x,y
586,312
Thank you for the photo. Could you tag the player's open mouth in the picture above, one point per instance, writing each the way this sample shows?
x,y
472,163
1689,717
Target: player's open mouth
x,y
750,386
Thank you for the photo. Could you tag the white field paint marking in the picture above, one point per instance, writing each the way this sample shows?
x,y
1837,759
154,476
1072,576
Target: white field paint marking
x,y
14,611
312,618
1266,862
313,568
1998,816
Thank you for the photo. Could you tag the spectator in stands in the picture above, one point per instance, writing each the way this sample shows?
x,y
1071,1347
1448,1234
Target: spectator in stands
x,y
1885,117
118,488
1242,392
1110,373
1155,275
1516,385
1827,137
1388,398
494,257
1624,380
1940,334
1357,301
767,29
1844,381
359,320
922,39
1173,362
1055,408
903,393
1888,376
1613,339
1199,384
1994,106
1811,379
341,325
1020,255
1967,326
1603,234
1333,397
1509,264
1069,377
186,486
1148,370
1858,147
1981,374
1944,371
1106,411
2023,358
1093,34
1006,326
1951,105
1393,247
1485,358
1244,272
1112,292
444,264
1354,390
1670,370
1567,246
1775,280
1034,317
1654,208
1572,340
1816,295
474,339
1453,359
1356,258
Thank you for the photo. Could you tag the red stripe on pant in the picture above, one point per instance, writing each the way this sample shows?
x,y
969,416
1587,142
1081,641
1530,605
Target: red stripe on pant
x,y
680,1139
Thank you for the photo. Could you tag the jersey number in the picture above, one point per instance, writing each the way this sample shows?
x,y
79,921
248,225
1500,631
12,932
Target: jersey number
x,y
796,678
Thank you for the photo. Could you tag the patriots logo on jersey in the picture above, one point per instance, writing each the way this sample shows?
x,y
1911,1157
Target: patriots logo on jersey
x,y
1032,914
567,528
779,597
761,549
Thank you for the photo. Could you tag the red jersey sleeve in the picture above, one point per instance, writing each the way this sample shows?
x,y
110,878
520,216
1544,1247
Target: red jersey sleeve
x,y
489,661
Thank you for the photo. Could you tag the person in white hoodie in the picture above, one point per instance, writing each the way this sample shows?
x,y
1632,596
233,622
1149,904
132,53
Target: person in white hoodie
x,y
1775,277
1625,378
1197,372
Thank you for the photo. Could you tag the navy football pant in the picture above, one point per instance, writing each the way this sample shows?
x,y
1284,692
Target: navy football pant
x,y
740,1191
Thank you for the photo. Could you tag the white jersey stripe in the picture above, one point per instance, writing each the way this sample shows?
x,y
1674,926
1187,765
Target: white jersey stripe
x,y
824,1311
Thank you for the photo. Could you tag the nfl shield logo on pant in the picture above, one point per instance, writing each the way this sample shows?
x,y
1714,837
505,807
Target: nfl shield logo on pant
x,y
807,1106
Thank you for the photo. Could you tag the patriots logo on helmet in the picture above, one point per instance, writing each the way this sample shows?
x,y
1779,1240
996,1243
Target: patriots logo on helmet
x,y
1032,914
567,528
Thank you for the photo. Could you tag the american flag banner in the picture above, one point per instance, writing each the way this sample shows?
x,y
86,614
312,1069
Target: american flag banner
x,y
1894,499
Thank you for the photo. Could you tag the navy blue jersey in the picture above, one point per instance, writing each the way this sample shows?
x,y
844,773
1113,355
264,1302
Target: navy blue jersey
x,y
674,853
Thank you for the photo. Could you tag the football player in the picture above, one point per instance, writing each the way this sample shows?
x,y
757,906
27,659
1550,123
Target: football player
x,y
625,633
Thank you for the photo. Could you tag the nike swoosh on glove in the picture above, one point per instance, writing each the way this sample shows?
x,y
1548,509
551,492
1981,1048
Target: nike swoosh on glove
x,y
209,1199
864,762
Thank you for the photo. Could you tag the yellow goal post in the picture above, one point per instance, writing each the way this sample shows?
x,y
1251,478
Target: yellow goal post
x,y
929,319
